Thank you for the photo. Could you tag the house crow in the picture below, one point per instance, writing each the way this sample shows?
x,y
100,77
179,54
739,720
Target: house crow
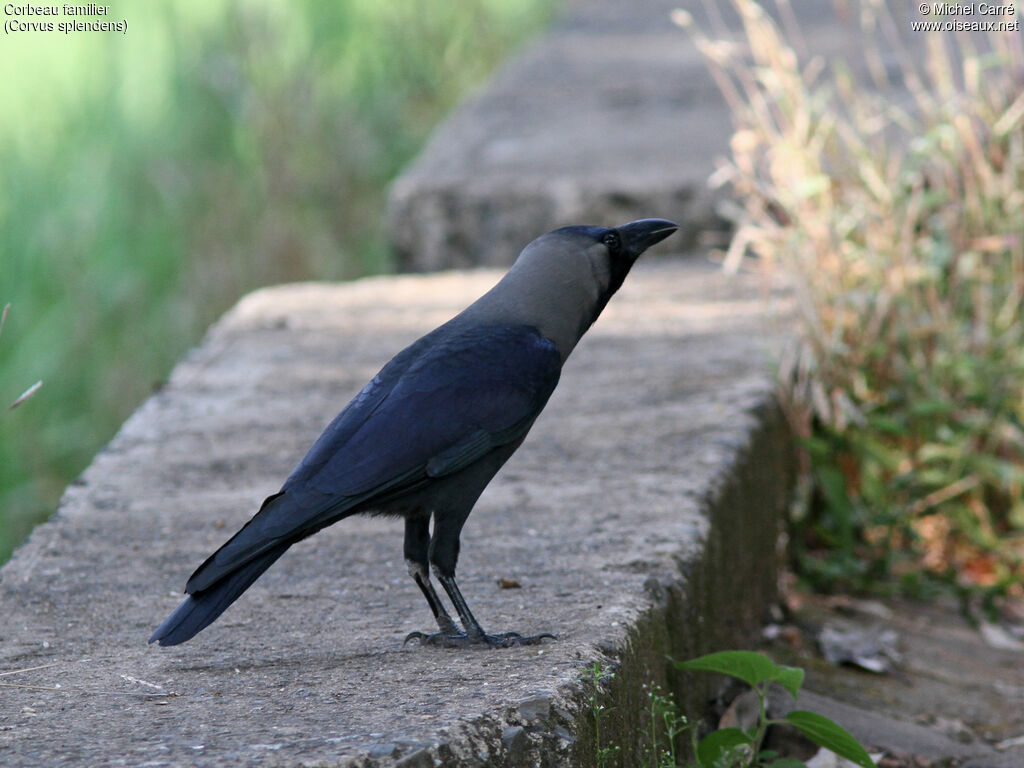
x,y
423,439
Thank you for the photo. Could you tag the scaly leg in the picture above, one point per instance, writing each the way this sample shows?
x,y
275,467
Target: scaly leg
x,y
417,547
443,555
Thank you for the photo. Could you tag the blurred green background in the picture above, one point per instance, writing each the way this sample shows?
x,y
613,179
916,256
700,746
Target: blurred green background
x,y
148,180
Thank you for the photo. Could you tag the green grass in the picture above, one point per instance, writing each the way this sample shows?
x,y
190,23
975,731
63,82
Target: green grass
x,y
148,180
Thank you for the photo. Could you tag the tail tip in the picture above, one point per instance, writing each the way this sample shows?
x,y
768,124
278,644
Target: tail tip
x,y
168,633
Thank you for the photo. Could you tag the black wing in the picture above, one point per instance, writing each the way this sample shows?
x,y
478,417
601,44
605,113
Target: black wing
x,y
440,405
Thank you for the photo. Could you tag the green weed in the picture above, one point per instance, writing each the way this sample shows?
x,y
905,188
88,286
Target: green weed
x,y
737,748
598,675
665,724
725,747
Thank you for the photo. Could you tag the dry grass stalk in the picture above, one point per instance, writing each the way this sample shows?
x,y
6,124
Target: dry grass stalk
x,y
894,199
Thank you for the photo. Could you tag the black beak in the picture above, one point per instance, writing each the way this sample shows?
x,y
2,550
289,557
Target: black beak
x,y
638,236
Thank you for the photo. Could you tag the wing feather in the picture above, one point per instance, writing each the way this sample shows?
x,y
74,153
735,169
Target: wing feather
x,y
437,407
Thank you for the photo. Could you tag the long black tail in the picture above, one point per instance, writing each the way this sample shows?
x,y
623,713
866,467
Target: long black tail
x,y
202,608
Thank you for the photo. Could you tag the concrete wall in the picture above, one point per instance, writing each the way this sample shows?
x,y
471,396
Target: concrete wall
x,y
639,518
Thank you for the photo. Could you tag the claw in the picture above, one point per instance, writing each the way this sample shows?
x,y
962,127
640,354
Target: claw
x,y
512,639
462,640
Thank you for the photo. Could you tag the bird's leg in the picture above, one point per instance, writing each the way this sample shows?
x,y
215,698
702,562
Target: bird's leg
x,y
473,629
417,547
475,634
421,575
444,553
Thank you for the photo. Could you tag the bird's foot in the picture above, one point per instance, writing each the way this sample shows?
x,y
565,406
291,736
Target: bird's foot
x,y
483,640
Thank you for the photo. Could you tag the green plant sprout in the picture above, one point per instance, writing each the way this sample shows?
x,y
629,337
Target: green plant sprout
x,y
665,721
597,674
738,748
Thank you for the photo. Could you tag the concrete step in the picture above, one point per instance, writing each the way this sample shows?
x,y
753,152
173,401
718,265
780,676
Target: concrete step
x,y
609,116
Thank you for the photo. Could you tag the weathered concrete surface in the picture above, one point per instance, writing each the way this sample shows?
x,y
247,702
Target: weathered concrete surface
x,y
639,518
609,116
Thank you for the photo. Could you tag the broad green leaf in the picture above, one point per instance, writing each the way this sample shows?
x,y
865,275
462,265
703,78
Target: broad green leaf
x,y
748,666
790,678
786,762
717,743
828,734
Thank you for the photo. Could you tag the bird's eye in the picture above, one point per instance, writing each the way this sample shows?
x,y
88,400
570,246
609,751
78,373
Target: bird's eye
x,y
611,241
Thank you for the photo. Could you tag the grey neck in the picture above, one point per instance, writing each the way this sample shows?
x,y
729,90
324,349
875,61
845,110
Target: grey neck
x,y
554,295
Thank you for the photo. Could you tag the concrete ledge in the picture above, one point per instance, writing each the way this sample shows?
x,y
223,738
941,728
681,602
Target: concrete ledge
x,y
639,519
609,116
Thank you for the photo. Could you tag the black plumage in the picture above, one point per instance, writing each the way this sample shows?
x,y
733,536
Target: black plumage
x,y
424,438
